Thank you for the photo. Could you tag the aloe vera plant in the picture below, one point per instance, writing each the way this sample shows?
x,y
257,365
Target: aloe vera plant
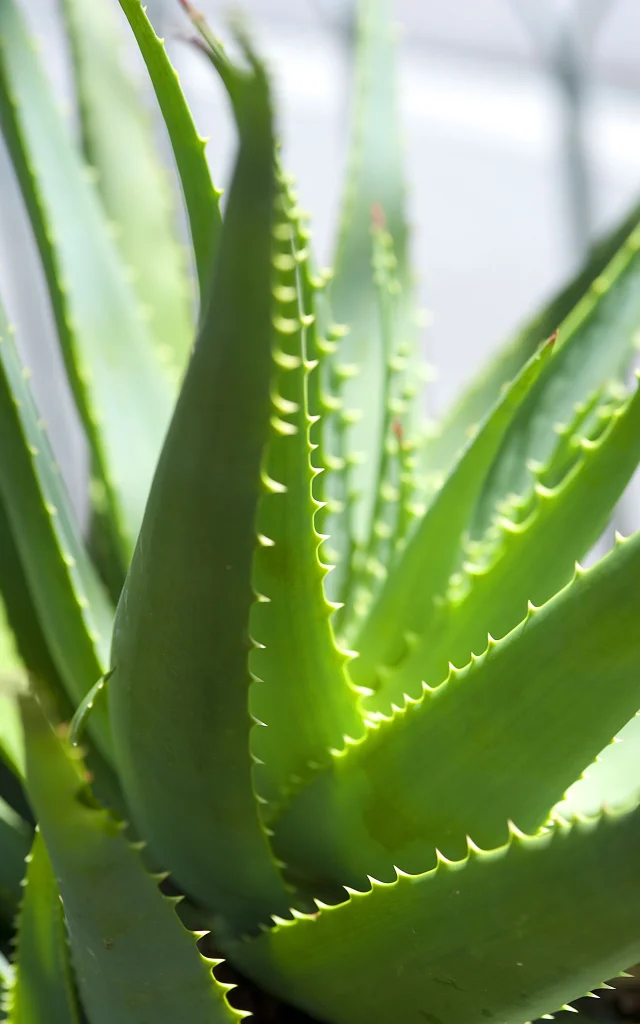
x,y
319,691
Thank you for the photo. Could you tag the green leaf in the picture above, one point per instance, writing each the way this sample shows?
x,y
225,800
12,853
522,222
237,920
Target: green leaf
x,y
43,988
611,781
178,695
301,692
200,196
133,958
505,935
71,608
134,186
500,739
121,389
11,673
422,572
374,181
532,555
15,840
439,451
595,344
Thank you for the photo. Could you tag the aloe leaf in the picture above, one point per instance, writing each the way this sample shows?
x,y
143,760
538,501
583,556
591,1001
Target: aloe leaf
x,y
42,989
121,389
71,608
178,695
430,555
595,344
537,542
610,781
15,840
200,196
374,179
507,934
301,693
133,958
133,184
440,450
6,981
543,701
11,672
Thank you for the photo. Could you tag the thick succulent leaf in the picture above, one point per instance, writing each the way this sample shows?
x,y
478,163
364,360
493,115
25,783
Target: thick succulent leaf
x,y
134,186
11,672
122,390
301,692
595,344
440,450
42,989
72,610
506,935
532,556
374,180
422,572
15,840
392,503
200,196
524,719
611,781
133,958
178,695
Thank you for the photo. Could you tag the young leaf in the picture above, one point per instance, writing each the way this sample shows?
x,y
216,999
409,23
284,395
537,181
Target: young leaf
x,y
42,989
133,958
301,691
532,555
423,569
595,344
439,452
134,186
524,719
178,695
374,181
71,608
505,935
121,388
200,196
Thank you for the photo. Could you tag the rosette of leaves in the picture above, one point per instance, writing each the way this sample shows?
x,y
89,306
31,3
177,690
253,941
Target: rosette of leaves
x,y
405,789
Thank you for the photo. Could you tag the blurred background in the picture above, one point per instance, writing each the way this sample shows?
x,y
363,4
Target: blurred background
x,y
522,127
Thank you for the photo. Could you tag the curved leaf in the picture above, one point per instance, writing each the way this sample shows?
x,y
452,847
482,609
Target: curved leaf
x,y
42,989
505,935
178,696
201,198
121,389
133,184
133,958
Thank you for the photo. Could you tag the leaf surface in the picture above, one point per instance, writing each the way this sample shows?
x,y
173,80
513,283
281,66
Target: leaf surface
x,y
42,989
301,693
500,739
423,569
200,196
595,344
374,181
134,186
537,541
133,958
71,608
121,389
178,695
15,839
504,935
